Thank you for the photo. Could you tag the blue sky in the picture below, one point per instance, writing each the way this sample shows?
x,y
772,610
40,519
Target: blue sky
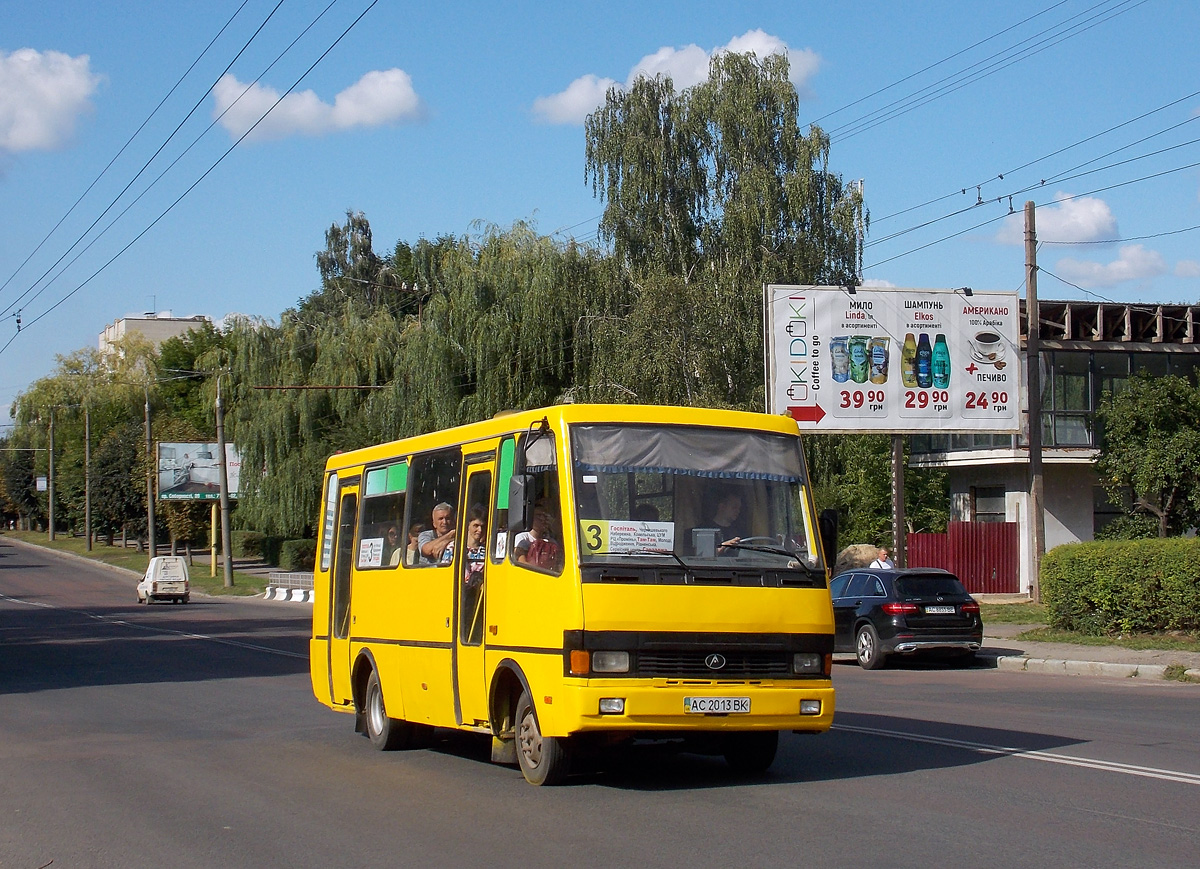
x,y
431,117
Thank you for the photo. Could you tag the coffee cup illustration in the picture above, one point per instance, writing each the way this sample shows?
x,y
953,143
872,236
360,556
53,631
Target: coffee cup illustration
x,y
988,347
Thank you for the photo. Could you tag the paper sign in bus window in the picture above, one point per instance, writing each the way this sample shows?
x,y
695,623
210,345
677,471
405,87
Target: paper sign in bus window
x,y
601,535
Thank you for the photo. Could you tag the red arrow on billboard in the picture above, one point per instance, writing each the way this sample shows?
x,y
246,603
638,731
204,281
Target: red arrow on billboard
x,y
807,414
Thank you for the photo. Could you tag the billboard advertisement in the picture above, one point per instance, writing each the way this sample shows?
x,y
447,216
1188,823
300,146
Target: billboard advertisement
x,y
893,360
191,472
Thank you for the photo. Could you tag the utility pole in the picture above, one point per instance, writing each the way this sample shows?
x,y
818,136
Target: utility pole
x,y
226,545
149,480
1033,366
87,475
899,522
50,480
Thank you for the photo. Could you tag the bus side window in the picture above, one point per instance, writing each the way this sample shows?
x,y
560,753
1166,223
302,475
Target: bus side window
x,y
432,504
382,516
540,545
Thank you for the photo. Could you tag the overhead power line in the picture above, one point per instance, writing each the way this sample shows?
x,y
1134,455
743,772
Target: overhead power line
x,y
146,165
121,151
204,175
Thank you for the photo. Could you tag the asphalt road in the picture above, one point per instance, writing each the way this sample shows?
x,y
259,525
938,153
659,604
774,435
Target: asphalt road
x,y
185,736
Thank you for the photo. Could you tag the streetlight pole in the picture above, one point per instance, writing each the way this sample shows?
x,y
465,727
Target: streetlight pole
x,y
87,475
223,476
50,480
153,545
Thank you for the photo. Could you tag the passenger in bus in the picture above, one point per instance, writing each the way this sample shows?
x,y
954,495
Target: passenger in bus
x,y
437,544
537,546
476,546
391,546
412,552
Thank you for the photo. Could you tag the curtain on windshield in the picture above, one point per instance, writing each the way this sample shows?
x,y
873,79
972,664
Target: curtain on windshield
x,y
700,452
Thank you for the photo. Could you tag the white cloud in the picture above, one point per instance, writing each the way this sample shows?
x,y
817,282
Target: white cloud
x,y
569,107
1084,219
1134,262
1187,268
41,96
686,66
379,97
877,284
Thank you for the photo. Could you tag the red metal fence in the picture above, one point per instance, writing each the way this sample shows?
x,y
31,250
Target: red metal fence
x,y
984,555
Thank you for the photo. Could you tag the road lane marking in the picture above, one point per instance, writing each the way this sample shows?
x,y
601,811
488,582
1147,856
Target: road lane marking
x,y
1032,754
153,629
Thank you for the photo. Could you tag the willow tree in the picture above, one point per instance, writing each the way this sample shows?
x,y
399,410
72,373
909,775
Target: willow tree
x,y
497,328
709,193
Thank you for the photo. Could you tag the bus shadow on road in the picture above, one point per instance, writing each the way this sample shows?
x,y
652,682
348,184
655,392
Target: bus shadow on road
x,y
860,746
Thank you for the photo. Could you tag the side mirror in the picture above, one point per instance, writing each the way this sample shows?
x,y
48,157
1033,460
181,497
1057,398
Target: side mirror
x,y
520,502
828,523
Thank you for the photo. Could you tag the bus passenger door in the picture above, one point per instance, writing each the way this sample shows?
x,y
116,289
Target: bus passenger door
x,y
471,585
339,629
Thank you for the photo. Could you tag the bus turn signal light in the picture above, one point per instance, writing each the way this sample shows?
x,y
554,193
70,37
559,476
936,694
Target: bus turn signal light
x,y
580,662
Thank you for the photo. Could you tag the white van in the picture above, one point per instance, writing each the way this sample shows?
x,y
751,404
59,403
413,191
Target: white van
x,y
165,579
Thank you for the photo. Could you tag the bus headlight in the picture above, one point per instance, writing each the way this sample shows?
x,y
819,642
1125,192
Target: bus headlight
x,y
806,663
810,707
610,662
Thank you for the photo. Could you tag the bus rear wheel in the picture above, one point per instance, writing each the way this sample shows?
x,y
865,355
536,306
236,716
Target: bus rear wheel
x,y
751,753
544,760
386,734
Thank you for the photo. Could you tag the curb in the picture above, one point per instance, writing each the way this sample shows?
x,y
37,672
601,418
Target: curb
x,y
1057,667
291,595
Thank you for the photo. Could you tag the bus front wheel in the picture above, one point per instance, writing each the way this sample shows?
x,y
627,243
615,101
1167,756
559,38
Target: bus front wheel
x,y
544,760
386,734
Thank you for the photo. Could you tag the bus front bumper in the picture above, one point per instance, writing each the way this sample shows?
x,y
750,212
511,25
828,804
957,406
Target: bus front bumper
x,y
673,706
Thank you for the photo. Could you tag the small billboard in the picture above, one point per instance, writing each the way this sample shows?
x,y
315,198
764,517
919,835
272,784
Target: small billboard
x,y
192,472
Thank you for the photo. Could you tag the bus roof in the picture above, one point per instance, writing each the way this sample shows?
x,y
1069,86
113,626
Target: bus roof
x,y
568,414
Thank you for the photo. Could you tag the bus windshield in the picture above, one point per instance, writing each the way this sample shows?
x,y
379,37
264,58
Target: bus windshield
x,y
703,497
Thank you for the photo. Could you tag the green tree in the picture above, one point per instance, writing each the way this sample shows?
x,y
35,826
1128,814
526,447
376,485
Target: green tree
x,y
119,482
1151,447
709,193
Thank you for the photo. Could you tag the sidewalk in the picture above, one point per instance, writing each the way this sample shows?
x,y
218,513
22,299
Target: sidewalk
x,y
1003,651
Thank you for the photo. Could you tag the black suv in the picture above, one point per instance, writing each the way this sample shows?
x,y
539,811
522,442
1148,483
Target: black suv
x,y
903,612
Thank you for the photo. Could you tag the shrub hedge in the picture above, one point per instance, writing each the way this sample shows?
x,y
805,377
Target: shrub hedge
x,y
297,554
1123,586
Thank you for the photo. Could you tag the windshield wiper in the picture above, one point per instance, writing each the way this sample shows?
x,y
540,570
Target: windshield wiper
x,y
663,552
800,560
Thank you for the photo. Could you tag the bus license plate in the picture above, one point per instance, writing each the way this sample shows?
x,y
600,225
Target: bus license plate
x,y
717,705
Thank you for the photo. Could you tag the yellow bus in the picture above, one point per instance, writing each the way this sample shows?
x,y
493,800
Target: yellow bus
x,y
576,575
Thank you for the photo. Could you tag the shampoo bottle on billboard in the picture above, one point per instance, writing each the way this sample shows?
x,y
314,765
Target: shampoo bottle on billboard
x,y
924,362
908,361
859,363
941,363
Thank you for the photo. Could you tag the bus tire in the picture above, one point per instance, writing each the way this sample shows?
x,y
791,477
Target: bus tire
x,y
751,753
386,734
544,760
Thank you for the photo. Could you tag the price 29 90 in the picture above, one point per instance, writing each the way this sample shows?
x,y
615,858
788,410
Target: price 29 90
x,y
924,398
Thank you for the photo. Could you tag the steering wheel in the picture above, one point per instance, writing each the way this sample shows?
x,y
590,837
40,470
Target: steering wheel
x,y
771,541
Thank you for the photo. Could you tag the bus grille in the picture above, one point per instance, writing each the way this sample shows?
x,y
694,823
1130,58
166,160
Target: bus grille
x,y
743,665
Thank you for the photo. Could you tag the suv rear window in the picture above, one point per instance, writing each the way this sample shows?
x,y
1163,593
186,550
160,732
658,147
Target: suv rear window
x,y
928,586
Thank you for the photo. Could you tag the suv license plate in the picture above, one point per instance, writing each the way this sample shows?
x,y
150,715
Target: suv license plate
x,y
717,705
940,610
